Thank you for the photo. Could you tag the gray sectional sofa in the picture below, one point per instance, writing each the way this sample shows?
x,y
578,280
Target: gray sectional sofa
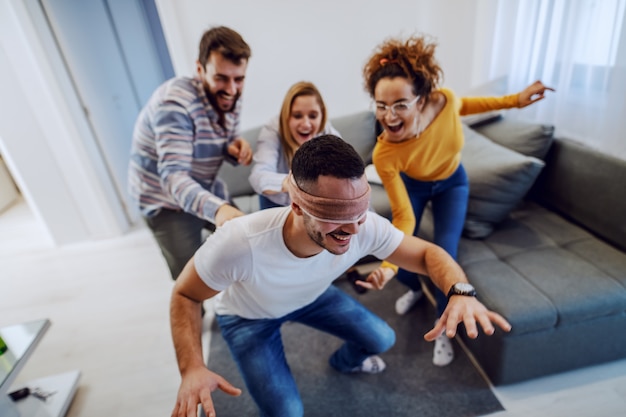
x,y
544,244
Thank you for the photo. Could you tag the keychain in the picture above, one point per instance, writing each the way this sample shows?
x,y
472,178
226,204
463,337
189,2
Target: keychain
x,y
35,392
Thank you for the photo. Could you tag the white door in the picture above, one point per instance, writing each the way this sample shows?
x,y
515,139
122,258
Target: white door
x,y
115,53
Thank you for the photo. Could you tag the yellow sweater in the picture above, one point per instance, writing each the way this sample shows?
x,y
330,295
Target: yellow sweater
x,y
433,155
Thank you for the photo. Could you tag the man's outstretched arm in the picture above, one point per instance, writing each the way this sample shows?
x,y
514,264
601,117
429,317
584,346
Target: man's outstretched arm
x,y
197,382
417,255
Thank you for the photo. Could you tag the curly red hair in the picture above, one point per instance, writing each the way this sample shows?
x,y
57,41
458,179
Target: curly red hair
x,y
413,59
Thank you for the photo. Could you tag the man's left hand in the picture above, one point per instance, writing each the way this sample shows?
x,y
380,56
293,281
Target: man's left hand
x,y
225,213
469,311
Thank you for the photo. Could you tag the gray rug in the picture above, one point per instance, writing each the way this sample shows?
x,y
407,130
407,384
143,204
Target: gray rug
x,y
410,386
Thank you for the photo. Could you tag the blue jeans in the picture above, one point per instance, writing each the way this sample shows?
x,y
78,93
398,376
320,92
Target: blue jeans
x,y
265,203
449,205
257,347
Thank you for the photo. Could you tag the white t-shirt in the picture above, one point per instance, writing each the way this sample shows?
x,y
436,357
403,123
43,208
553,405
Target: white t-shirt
x,y
248,260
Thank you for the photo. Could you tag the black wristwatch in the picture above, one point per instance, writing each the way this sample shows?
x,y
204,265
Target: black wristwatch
x,y
462,288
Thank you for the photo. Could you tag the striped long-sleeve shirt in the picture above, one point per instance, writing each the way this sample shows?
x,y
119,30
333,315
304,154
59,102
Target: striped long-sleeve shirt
x,y
178,147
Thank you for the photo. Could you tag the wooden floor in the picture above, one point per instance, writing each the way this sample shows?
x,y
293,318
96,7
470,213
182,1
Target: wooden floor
x,y
108,303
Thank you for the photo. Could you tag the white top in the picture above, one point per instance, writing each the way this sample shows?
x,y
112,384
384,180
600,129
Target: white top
x,y
270,166
248,260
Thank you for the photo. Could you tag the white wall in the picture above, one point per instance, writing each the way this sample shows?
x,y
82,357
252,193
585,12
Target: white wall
x,y
328,41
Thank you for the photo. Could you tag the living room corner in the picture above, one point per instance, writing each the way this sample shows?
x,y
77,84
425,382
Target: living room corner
x,y
72,251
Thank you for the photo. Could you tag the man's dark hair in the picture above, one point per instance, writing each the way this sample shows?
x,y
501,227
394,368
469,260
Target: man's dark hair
x,y
326,155
227,42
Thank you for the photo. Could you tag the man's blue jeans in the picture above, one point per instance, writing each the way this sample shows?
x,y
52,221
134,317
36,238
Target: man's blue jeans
x,y
449,205
257,347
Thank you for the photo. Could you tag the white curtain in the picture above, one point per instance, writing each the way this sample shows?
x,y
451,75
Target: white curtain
x,y
577,47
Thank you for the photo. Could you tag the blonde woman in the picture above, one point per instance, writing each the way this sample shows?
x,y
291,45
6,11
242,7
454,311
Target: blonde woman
x,y
302,117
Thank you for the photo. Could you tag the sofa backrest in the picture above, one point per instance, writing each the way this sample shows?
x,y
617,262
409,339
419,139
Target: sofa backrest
x,y
236,177
586,186
358,129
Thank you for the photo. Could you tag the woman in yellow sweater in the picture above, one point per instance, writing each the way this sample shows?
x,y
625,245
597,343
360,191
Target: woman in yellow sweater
x,y
418,155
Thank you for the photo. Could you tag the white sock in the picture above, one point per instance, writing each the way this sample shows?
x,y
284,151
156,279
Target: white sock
x,y
371,365
407,301
443,352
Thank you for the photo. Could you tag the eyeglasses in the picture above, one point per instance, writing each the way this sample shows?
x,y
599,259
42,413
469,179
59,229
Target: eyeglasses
x,y
396,108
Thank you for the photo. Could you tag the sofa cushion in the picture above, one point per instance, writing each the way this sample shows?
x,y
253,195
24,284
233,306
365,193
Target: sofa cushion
x,y
527,138
501,288
541,271
499,179
603,256
531,226
578,289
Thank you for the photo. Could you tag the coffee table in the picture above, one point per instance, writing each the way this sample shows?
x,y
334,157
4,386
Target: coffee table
x,y
20,341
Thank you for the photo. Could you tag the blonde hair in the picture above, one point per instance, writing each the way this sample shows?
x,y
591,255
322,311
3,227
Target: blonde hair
x,y
287,141
413,59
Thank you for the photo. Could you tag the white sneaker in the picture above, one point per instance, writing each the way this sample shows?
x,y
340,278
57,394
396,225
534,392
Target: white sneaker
x,y
372,365
406,301
443,353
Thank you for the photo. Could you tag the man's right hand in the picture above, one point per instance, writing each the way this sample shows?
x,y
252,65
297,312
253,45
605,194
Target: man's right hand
x,y
225,213
196,388
240,149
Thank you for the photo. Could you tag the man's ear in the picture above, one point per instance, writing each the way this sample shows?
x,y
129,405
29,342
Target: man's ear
x,y
296,209
199,69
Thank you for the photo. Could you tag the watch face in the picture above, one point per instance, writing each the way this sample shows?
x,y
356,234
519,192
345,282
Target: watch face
x,y
464,287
